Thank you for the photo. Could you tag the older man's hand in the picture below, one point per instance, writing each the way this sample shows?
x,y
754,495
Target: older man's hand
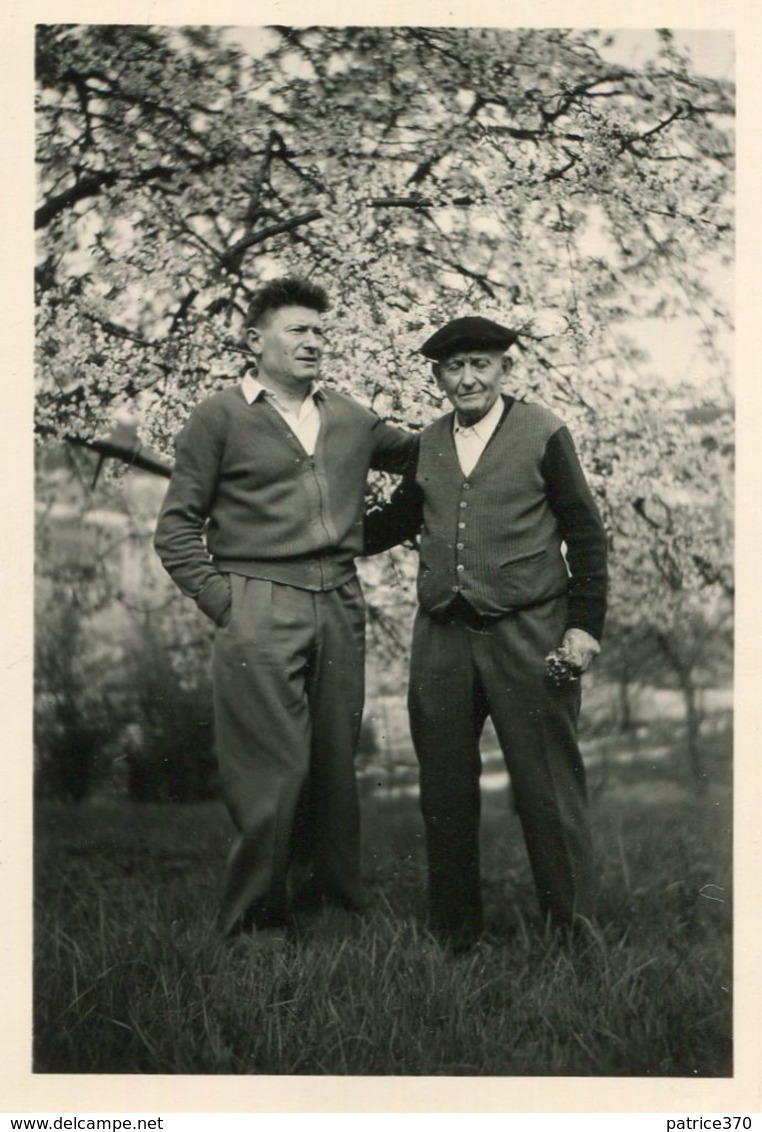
x,y
580,648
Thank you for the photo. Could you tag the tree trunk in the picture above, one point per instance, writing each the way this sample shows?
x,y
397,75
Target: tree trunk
x,y
625,706
684,672
693,723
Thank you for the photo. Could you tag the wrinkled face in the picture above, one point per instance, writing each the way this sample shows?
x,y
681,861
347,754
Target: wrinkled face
x,y
289,345
471,379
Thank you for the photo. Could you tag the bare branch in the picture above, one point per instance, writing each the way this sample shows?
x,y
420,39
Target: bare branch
x,y
92,185
231,260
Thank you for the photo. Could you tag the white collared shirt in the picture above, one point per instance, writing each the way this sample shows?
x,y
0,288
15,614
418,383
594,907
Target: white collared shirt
x,y
304,423
471,440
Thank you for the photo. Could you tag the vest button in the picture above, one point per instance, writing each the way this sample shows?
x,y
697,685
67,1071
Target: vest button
x,y
456,589
463,503
460,566
466,486
461,526
460,546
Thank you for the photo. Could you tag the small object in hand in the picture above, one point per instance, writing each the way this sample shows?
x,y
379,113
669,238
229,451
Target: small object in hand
x,y
561,669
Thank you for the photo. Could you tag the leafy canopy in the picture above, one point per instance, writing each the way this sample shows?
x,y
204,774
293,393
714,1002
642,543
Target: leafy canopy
x,y
420,173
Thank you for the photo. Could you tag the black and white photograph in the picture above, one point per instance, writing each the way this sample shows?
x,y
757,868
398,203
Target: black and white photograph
x,y
384,547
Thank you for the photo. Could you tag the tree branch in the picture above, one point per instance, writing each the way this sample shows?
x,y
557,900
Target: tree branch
x,y
92,185
232,257
131,454
182,310
87,187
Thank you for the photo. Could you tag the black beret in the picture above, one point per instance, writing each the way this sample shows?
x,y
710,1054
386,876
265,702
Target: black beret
x,y
470,333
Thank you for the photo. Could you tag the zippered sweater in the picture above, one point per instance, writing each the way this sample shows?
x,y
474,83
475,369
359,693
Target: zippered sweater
x,y
246,498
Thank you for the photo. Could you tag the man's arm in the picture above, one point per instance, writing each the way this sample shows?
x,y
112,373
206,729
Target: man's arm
x,y
397,520
393,450
179,538
583,532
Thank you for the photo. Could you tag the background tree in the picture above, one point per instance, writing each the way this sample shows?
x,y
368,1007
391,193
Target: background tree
x,y
74,707
122,691
419,170
672,582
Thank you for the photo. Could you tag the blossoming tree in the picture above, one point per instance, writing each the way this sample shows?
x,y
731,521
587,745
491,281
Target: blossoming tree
x,y
420,173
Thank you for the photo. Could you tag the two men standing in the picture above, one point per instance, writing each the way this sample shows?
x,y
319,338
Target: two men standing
x,y
261,524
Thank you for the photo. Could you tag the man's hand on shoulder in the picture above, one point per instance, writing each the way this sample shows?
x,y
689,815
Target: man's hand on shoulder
x,y
580,648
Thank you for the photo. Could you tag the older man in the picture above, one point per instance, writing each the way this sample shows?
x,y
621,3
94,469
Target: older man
x,y
261,523
512,569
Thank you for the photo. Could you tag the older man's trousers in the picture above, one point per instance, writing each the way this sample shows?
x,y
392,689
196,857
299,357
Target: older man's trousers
x,y
288,695
462,670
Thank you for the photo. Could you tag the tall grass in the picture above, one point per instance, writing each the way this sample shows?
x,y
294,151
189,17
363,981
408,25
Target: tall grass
x,y
130,978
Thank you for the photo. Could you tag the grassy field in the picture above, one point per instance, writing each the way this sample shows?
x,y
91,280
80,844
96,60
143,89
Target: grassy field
x,y
129,977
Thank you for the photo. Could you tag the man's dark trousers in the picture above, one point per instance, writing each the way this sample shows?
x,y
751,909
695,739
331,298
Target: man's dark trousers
x,y
288,678
464,668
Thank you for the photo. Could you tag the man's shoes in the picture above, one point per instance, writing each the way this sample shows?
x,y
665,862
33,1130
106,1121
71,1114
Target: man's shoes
x,y
311,898
269,939
460,947
458,942
265,941
328,924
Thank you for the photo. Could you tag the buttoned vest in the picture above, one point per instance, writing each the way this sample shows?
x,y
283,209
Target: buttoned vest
x,y
491,536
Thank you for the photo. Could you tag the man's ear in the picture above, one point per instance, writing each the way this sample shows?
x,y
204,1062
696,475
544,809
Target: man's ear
x,y
253,340
507,364
435,369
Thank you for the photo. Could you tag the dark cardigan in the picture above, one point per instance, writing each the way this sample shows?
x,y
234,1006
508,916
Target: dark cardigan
x,y
246,498
495,537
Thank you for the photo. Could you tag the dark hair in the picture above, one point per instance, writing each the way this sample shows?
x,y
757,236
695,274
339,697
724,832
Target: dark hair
x,y
289,291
